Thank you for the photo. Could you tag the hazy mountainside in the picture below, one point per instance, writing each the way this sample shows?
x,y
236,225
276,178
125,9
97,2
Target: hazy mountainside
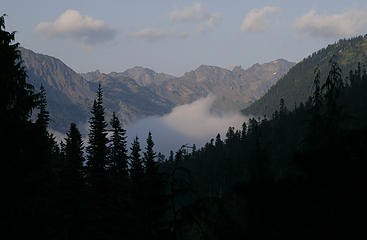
x,y
143,76
70,96
140,92
128,99
297,85
234,89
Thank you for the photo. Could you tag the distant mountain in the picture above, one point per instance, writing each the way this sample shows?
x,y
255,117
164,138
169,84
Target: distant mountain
x,y
70,96
297,85
144,76
128,99
140,92
234,89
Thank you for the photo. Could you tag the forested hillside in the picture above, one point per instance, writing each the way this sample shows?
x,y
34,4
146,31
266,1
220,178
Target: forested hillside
x,y
296,86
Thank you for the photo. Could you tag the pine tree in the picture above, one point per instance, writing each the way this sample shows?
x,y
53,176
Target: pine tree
x,y
136,162
17,99
149,156
74,159
282,108
218,142
332,88
244,132
43,116
23,172
316,97
117,150
97,149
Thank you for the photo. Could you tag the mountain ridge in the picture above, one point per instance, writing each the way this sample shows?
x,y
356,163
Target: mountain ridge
x,y
140,92
297,85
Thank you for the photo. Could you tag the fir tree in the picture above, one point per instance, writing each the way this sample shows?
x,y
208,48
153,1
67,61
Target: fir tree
x,y
43,116
218,142
17,97
136,162
149,156
316,97
244,132
118,152
73,153
97,149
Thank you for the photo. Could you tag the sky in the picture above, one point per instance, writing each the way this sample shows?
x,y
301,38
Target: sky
x,y
179,35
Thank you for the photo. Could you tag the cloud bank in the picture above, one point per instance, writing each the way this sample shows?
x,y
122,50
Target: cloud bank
x,y
187,124
150,34
71,24
344,24
195,119
196,14
256,20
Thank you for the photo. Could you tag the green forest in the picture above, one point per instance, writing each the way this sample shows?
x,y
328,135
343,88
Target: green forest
x,y
296,174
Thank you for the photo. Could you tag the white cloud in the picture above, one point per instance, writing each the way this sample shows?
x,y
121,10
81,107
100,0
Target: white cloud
x,y
255,21
344,24
196,14
208,24
71,24
195,120
150,34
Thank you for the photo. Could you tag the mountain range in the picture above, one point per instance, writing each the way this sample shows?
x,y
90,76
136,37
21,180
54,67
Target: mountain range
x,y
141,92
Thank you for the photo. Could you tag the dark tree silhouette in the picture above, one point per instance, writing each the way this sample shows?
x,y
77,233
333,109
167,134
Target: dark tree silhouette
x,y
97,149
74,159
17,97
117,151
149,157
43,117
136,162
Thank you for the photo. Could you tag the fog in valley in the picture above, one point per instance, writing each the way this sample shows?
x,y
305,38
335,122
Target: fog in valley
x,y
187,124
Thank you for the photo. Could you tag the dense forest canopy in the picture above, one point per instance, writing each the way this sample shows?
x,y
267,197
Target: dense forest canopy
x,y
298,174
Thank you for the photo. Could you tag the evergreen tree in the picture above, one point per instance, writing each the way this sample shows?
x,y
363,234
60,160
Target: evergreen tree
x,y
72,194
316,97
43,116
331,89
244,132
97,149
333,84
136,162
118,152
73,153
24,170
149,156
218,142
282,108
17,97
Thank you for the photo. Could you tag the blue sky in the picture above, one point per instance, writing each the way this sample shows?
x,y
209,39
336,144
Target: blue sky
x,y
177,36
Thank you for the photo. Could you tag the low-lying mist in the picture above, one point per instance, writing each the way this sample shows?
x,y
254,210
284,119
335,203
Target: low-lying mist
x,y
192,123
189,124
